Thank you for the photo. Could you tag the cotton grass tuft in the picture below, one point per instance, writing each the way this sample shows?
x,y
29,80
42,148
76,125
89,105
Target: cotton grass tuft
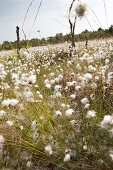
x,y
81,8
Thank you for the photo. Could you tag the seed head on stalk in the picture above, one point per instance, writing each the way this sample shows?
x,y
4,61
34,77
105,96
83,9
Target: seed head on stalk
x,y
81,8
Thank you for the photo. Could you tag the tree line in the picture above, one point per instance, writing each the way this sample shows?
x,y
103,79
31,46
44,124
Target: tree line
x,y
59,38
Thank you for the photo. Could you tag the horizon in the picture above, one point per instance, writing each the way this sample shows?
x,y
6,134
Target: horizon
x,y
51,36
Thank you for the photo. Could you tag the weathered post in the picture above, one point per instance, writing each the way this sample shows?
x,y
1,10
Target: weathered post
x,y
18,42
80,10
86,42
72,25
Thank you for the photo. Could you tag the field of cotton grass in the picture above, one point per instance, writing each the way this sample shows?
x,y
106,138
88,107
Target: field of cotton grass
x,y
56,110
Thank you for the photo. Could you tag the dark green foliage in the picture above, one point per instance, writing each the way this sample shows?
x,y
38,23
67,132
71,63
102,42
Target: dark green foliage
x,y
59,38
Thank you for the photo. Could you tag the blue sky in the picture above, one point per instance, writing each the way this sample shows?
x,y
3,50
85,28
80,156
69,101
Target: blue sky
x,y
52,14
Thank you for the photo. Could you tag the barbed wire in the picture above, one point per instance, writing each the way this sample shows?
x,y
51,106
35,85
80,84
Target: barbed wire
x,y
89,23
26,17
105,12
95,16
38,10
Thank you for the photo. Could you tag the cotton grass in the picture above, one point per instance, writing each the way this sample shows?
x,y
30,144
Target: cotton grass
x,y
81,8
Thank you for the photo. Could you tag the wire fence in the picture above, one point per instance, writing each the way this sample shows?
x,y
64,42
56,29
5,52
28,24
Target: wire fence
x,y
96,20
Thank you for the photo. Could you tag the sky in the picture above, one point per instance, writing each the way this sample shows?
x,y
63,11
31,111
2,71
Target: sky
x,y
52,18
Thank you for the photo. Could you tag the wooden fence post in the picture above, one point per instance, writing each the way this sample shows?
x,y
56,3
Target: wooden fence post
x,y
18,42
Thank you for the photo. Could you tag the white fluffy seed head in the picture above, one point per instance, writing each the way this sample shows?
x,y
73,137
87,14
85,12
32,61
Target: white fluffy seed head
x,y
85,101
2,139
85,147
67,157
58,113
58,88
91,113
48,86
48,149
34,124
87,106
107,120
69,112
2,113
81,8
29,164
9,102
73,96
31,79
9,123
87,77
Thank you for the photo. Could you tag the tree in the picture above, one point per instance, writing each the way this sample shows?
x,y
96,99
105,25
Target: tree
x,y
59,37
6,45
100,29
86,31
0,47
111,29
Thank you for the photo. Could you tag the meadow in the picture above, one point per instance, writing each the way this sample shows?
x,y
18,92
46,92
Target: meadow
x,y
56,109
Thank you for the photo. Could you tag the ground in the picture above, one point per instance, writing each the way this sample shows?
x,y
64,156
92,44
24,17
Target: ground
x,y
56,107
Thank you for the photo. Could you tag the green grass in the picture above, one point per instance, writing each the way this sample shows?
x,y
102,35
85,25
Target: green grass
x,y
20,146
